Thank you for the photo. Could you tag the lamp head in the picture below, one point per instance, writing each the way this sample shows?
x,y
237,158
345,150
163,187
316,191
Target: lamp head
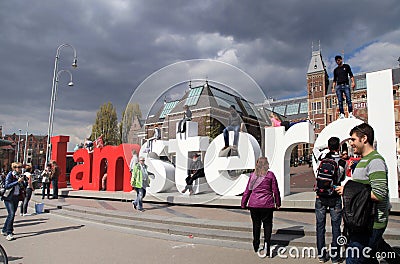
x,y
70,84
75,63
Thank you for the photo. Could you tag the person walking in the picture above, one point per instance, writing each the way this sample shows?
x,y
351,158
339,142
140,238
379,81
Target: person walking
x,y
55,173
341,84
370,170
140,181
29,190
328,200
262,197
13,182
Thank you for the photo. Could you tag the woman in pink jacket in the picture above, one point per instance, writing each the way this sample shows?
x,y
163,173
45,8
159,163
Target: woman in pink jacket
x,y
262,197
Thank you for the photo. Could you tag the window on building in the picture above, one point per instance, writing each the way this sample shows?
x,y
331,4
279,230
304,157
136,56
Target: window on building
x,y
361,83
167,108
280,109
292,109
329,102
316,107
303,108
225,99
194,96
250,109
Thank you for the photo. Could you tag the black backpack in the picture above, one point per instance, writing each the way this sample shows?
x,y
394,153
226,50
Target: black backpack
x,y
327,177
358,208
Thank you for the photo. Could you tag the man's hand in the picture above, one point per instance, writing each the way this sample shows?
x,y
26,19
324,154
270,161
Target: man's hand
x,y
339,190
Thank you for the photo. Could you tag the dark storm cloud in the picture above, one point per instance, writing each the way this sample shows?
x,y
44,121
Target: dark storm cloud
x,y
120,43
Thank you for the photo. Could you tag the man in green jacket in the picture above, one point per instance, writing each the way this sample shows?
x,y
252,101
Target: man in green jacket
x,y
140,181
372,170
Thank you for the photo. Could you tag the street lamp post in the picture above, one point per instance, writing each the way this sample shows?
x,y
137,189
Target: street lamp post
x,y
19,139
54,94
55,97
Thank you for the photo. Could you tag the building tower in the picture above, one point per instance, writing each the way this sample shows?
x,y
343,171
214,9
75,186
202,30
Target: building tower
x,y
317,88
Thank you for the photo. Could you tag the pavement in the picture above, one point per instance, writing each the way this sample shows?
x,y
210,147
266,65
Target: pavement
x,y
103,230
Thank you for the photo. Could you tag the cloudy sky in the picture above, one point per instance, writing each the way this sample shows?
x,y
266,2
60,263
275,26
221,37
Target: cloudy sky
x,y
121,43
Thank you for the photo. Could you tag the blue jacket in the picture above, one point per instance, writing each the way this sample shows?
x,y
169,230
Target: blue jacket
x,y
11,182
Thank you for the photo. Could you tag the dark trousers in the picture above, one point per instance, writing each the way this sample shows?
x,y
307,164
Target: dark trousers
x,y
24,204
11,206
54,183
182,125
335,210
236,130
264,216
46,186
190,179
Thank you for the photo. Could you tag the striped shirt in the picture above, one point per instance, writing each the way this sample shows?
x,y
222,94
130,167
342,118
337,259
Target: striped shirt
x,y
372,170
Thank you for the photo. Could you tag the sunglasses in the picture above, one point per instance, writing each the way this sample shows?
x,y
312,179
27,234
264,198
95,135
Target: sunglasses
x,y
18,167
141,160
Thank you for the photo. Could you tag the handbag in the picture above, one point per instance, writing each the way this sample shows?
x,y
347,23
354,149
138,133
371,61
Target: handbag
x,y
8,192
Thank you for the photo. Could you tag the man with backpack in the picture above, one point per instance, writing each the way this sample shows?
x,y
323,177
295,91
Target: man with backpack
x,y
331,171
366,217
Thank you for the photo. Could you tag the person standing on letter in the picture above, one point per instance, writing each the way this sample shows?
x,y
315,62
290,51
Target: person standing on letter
x,y
341,84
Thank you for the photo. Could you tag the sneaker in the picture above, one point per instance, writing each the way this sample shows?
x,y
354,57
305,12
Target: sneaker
x,y
134,205
341,116
10,237
141,210
21,214
3,233
351,115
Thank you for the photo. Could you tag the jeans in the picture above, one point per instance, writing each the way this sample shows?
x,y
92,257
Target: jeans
x,y
340,89
357,242
373,243
46,186
264,216
54,183
24,204
236,135
141,193
336,220
11,206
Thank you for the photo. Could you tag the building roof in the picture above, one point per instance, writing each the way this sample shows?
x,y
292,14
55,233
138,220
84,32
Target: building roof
x,y
316,63
206,96
292,109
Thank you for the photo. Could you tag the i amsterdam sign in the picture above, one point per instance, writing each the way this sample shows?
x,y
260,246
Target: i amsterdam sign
x,y
86,175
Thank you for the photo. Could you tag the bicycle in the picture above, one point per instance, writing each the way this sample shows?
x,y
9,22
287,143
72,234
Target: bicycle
x,y
3,255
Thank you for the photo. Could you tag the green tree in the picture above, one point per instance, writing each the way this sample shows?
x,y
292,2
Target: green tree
x,y
106,124
131,110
